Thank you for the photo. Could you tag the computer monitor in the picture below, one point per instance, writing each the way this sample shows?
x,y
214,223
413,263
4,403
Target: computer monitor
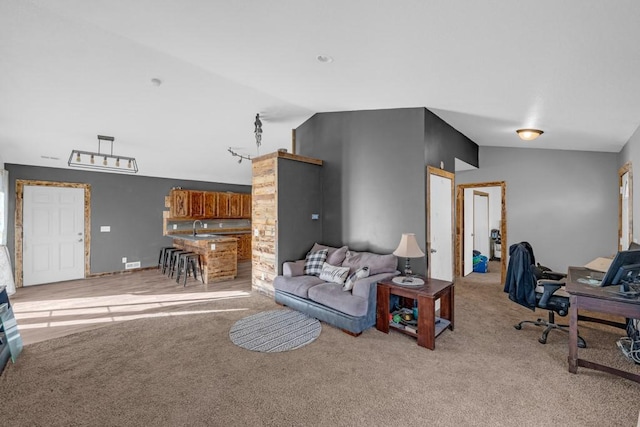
x,y
625,267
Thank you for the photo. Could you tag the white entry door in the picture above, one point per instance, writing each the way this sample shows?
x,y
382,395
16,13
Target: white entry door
x,y
481,222
625,232
440,235
53,234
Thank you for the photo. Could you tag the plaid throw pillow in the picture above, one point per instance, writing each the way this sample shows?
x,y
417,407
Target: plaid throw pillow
x,y
351,280
314,262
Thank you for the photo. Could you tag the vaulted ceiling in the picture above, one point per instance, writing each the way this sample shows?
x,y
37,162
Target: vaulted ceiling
x,y
73,69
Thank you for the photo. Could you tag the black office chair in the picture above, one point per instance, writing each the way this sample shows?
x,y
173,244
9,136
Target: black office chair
x,y
534,286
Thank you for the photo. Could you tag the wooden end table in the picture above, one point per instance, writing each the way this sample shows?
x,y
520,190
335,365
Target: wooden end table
x,y
426,295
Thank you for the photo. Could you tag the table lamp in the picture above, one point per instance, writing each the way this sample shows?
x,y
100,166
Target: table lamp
x,y
408,248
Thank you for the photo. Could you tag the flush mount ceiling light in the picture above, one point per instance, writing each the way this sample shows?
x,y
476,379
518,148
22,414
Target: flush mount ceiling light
x,y
529,134
103,161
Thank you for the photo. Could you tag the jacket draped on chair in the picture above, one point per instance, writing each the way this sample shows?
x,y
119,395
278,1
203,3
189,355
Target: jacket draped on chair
x,y
520,282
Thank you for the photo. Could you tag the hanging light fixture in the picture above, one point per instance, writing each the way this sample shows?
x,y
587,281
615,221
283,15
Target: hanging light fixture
x,y
257,130
110,162
529,134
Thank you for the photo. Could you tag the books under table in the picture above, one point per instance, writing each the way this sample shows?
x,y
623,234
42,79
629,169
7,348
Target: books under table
x,y
412,326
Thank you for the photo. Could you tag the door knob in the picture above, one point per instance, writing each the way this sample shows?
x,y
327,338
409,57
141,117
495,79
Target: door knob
x,y
433,251
80,240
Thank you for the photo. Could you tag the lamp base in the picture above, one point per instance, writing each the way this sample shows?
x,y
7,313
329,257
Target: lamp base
x,y
407,267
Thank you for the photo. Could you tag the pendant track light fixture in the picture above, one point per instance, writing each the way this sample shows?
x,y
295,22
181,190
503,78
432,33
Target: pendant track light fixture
x,y
529,134
241,157
110,162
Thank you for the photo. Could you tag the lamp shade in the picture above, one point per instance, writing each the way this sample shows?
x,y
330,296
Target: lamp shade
x,y
529,134
408,247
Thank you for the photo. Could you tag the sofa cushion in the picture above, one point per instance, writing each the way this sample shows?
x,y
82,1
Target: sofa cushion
x,y
335,256
314,262
376,263
331,295
358,274
331,273
299,285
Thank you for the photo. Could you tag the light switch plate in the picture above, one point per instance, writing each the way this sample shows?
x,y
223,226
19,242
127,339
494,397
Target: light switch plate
x,y
213,246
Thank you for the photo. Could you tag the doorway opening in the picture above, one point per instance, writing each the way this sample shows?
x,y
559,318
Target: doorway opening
x,y
464,229
19,223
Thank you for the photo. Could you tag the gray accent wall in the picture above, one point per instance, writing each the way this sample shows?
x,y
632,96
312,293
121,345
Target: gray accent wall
x,y
374,173
444,144
565,203
299,196
131,205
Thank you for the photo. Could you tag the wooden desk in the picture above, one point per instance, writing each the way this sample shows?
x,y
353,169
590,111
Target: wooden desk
x,y
426,295
596,299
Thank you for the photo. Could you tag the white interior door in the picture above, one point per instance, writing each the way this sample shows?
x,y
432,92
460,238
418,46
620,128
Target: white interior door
x,y
481,222
440,235
467,263
53,234
625,211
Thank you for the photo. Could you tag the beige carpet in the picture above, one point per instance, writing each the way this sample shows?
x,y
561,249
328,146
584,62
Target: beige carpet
x,y
184,371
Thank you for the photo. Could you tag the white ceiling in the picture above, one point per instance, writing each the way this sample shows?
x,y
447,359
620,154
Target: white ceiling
x,y
73,69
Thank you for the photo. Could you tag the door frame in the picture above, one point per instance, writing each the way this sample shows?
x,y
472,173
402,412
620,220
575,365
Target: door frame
x,y
459,246
624,169
451,176
19,226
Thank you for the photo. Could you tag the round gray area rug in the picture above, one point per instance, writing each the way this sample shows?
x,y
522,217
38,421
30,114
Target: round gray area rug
x,y
275,330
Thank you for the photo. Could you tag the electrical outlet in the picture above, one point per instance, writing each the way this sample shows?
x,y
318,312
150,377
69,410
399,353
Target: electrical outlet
x,y
220,225
206,225
256,232
175,226
124,259
213,246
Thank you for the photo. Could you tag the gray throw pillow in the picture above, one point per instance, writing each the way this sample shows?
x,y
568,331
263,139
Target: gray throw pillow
x,y
335,256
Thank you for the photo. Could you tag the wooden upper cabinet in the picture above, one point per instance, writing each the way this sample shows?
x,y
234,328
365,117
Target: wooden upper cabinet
x,y
222,205
210,204
246,206
197,204
235,205
194,204
180,204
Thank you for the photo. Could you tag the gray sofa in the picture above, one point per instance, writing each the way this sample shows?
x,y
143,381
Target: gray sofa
x,y
353,310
